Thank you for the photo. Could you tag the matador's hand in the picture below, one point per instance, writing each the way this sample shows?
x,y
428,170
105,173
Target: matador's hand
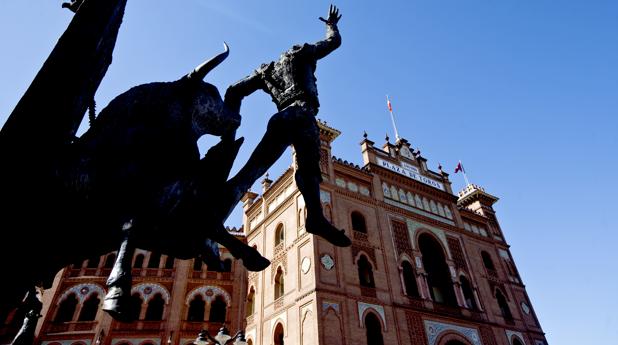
x,y
333,16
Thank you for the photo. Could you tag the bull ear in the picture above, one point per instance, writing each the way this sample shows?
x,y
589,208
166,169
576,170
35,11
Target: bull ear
x,y
200,71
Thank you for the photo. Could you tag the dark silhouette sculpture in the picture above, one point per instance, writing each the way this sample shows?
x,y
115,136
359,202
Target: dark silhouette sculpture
x,y
137,168
292,85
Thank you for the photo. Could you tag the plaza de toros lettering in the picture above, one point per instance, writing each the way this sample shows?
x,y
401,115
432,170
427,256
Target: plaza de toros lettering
x,y
410,172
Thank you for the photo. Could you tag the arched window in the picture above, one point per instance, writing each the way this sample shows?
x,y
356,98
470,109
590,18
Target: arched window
x,y
358,222
249,342
154,312
66,309
93,262
135,307
466,288
301,217
250,309
169,262
504,306
154,260
279,287
196,309
89,309
279,235
374,330
487,261
516,341
217,310
109,260
227,265
279,335
139,261
365,272
197,264
438,273
409,279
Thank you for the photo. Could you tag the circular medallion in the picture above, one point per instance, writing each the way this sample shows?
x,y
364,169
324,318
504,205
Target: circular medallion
x,y
84,290
305,265
525,308
147,290
327,261
209,293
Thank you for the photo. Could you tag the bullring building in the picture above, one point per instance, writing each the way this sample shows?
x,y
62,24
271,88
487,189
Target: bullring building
x,y
427,266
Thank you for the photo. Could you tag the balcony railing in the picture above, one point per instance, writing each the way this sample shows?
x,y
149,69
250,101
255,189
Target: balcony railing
x,y
360,236
76,326
492,274
139,325
368,291
279,302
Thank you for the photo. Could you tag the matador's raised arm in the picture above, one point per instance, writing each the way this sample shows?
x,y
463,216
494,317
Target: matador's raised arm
x,y
333,38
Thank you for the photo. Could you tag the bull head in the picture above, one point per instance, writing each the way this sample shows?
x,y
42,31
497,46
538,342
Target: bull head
x,y
209,114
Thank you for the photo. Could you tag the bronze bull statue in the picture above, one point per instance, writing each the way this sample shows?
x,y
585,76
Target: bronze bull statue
x,y
134,177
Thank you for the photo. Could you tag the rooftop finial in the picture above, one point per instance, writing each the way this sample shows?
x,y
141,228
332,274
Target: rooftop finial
x,y
365,134
387,138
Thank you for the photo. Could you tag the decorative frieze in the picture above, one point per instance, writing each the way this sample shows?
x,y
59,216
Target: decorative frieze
x,y
434,329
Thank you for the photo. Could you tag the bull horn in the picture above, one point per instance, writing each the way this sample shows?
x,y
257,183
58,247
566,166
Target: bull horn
x,y
200,71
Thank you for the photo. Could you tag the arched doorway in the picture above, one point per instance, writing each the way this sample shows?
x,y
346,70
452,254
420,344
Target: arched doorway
x,y
438,273
278,337
374,330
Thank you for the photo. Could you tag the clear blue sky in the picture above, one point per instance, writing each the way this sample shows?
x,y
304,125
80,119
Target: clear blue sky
x,y
525,93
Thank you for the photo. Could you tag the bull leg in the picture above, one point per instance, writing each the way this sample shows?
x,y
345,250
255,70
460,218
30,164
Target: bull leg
x,y
210,255
251,258
117,300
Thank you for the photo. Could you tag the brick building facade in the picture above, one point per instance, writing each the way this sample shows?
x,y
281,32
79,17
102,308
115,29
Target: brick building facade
x,y
425,266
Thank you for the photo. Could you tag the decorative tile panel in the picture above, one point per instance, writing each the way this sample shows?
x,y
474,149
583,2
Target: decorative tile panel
x,y
330,305
83,291
149,290
510,334
362,307
209,293
435,329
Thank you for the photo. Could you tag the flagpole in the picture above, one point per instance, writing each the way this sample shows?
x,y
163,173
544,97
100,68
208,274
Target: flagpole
x,y
390,109
464,174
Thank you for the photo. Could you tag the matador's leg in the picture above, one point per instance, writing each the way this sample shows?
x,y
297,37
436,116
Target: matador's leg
x,y
277,138
306,141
